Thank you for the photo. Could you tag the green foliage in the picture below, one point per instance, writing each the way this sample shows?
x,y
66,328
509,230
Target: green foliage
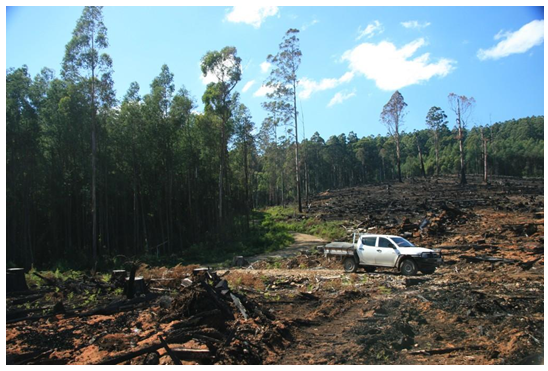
x,y
285,219
385,290
91,297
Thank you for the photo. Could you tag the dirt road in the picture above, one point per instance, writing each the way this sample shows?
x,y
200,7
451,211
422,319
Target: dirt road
x,y
302,242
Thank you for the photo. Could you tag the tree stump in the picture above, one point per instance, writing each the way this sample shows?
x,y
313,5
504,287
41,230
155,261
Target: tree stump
x,y
239,261
139,286
118,277
15,280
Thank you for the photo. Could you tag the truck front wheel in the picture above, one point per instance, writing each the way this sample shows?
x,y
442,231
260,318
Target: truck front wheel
x,y
350,265
408,268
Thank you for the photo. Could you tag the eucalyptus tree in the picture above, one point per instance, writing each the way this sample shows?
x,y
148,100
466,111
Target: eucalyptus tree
x,y
283,95
182,117
84,66
435,119
22,165
130,125
162,141
243,127
224,67
392,116
462,107
417,138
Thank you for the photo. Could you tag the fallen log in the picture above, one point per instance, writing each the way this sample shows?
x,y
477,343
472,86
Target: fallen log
x,y
26,299
489,259
195,319
24,359
28,292
239,305
120,306
31,318
172,355
19,315
128,356
192,354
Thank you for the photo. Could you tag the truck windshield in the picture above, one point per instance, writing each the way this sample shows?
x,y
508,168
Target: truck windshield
x,y
402,242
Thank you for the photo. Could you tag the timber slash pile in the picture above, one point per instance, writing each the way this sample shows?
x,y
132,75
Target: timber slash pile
x,y
484,305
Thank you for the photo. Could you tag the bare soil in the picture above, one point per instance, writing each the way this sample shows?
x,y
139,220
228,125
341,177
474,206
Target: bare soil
x,y
484,305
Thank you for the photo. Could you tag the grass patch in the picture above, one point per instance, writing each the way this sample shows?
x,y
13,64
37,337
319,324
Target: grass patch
x,y
288,219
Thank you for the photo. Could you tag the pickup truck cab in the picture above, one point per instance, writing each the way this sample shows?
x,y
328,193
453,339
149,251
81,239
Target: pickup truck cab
x,y
375,250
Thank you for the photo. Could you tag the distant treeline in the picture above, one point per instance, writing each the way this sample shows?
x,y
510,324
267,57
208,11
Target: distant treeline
x,y
149,175
514,148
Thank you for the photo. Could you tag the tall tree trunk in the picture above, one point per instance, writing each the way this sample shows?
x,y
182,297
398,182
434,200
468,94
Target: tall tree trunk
x,y
221,176
246,179
306,180
423,171
297,167
437,145
135,207
461,150
398,156
93,174
484,146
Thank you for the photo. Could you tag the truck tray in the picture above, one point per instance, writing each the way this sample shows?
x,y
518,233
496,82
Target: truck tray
x,y
339,248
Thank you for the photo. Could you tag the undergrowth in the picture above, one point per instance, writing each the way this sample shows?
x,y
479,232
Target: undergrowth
x,y
268,231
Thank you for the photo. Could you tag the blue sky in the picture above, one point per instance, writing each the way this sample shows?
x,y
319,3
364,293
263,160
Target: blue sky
x,y
354,58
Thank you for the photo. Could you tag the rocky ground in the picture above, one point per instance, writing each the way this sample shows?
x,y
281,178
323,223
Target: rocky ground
x,y
485,305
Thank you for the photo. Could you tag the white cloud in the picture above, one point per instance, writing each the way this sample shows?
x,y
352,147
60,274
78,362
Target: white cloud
x,y
307,86
415,24
340,97
528,36
370,31
251,14
306,26
263,91
347,77
265,66
248,86
391,68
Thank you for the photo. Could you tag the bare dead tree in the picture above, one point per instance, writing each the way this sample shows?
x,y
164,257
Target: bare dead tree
x,y
392,116
462,107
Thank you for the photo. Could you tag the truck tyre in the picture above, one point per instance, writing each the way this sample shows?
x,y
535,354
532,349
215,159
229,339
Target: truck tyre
x,y
408,267
370,269
429,270
350,265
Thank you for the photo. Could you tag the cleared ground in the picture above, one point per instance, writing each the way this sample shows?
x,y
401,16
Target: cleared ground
x,y
485,305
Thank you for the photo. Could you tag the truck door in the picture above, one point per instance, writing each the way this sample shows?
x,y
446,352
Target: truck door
x,y
367,250
386,253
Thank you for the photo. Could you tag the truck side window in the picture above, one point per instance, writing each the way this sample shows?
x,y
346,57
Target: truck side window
x,y
383,242
369,241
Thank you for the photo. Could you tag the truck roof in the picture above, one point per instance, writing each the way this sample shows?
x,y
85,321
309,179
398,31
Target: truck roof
x,y
378,235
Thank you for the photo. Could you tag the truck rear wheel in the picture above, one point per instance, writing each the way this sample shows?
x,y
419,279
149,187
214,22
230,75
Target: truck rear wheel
x,y
408,268
350,265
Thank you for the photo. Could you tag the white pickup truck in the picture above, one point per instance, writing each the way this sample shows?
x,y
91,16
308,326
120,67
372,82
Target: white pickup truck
x,y
375,250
